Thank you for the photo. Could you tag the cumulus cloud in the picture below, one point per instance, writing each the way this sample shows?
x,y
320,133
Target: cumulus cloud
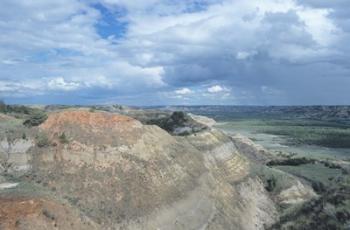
x,y
267,52
60,84
217,89
183,91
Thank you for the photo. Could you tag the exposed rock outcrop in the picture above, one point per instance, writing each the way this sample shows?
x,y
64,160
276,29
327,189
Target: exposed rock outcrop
x,y
253,151
295,194
111,171
209,122
115,169
154,180
14,145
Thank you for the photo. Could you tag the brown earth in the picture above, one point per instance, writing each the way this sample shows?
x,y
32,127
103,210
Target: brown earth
x,y
18,213
115,173
113,168
92,127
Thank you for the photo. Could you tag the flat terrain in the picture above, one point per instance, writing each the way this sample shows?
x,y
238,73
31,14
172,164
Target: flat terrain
x,y
302,137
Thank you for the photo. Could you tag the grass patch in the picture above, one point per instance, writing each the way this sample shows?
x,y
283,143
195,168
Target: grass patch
x,y
332,137
32,116
312,172
330,134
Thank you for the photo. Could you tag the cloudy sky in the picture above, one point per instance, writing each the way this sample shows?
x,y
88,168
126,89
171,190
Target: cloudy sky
x,y
157,52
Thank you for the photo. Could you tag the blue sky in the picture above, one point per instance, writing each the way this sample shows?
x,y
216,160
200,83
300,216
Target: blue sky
x,y
157,52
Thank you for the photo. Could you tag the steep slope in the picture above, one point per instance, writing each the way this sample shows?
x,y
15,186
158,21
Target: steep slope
x,y
123,174
253,151
238,194
99,170
113,168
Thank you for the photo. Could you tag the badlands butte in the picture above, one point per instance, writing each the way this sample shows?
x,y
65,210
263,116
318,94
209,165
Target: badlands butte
x,y
113,167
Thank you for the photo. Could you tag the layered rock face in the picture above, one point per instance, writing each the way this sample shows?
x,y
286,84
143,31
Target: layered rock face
x,y
14,145
253,151
113,168
99,170
241,199
125,175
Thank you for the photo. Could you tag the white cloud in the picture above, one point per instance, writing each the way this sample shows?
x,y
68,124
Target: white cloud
x,y
217,89
9,62
61,84
242,55
167,45
183,91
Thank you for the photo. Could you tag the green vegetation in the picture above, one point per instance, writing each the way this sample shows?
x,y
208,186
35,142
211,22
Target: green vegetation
x,y
32,116
63,138
325,134
330,134
291,161
313,172
178,123
35,119
328,211
290,138
12,129
274,180
271,184
42,140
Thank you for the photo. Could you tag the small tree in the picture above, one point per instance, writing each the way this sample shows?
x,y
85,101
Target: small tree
x,y
2,106
271,184
63,138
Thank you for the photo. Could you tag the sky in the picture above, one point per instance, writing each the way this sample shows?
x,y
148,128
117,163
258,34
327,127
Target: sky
x,y
175,52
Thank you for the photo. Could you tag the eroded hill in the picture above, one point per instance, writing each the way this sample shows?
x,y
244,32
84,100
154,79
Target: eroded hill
x,y
102,170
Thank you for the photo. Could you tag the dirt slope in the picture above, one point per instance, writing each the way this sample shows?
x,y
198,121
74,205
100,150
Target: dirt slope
x,y
120,174
38,214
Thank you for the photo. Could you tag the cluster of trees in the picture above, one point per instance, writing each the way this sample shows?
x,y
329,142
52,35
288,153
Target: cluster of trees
x,y
291,162
32,116
177,120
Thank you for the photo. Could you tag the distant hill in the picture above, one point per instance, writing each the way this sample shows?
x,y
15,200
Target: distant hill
x,y
336,113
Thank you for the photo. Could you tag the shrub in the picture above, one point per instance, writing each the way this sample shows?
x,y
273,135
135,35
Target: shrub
x,y
48,214
291,162
271,184
42,140
63,138
35,119
318,187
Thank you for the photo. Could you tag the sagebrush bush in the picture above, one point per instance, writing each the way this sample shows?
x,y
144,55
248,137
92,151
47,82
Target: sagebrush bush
x,y
42,140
